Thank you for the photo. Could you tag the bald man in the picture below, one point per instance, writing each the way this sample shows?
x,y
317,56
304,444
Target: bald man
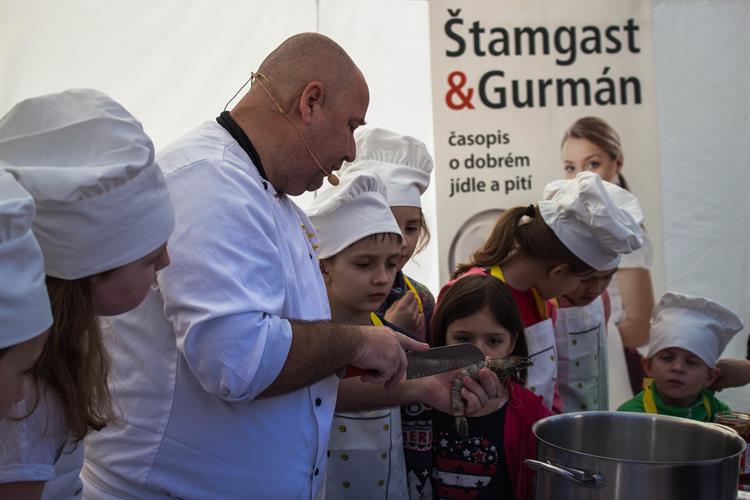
x,y
225,376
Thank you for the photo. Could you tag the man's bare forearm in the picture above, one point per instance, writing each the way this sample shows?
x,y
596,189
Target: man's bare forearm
x,y
355,395
319,349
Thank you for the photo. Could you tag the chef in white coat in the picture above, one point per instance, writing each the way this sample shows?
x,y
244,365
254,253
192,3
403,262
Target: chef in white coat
x,y
225,376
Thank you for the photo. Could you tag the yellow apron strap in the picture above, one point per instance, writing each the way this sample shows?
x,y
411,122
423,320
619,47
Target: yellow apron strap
x,y
649,404
375,320
416,295
707,406
541,304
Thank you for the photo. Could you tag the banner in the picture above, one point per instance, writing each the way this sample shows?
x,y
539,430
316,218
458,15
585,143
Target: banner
x,y
508,79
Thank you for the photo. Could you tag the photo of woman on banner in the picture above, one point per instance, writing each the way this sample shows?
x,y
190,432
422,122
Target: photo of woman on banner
x,y
543,251
591,144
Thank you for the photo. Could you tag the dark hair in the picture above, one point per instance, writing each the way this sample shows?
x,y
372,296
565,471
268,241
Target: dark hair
x,y
601,134
534,238
471,294
74,363
424,234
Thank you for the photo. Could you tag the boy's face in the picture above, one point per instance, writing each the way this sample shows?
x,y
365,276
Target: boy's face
x,y
590,288
359,278
679,375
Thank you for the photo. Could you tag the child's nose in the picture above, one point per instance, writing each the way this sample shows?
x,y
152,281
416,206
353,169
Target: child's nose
x,y
381,277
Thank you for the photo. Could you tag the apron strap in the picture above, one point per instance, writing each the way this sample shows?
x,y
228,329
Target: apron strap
x,y
375,320
413,290
541,304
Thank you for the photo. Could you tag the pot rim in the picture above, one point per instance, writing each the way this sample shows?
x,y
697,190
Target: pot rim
x,y
728,431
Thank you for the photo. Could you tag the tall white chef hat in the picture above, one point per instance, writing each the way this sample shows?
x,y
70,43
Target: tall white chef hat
x,y
402,162
586,215
24,303
695,324
101,200
345,214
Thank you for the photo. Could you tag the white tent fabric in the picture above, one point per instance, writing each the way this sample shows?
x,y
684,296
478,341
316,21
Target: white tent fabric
x,y
174,64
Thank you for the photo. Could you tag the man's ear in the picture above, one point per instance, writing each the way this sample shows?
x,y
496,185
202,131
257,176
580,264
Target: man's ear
x,y
646,362
713,374
312,98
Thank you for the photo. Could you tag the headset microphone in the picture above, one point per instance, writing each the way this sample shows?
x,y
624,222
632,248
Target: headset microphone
x,y
333,180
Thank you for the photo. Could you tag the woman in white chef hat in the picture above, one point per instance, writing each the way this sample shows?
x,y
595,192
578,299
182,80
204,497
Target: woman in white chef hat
x,y
404,165
103,219
24,306
543,251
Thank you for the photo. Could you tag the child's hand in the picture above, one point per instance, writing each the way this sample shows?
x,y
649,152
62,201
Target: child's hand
x,y
404,313
480,392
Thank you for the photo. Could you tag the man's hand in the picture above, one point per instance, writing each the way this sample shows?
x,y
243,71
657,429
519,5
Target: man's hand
x,y
404,313
734,373
381,352
477,392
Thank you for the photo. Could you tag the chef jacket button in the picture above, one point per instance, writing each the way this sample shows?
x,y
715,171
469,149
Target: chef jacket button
x,y
345,484
344,457
317,471
318,401
552,357
386,427
310,255
342,428
574,342
381,482
580,385
384,456
578,363
583,407
265,185
328,453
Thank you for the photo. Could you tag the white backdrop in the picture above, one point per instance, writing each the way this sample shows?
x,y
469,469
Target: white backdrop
x,y
175,63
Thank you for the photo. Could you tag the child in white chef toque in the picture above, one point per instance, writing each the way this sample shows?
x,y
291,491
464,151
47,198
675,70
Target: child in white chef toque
x,y
359,245
103,217
688,334
25,313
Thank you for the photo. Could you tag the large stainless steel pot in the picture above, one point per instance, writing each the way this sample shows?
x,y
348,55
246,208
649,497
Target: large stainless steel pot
x,y
634,456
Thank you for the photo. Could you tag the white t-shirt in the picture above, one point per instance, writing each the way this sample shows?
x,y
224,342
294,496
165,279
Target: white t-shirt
x,y
37,448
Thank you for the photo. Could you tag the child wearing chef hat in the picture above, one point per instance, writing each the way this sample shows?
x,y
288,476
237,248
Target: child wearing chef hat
x,y
688,334
544,251
359,245
24,306
103,217
404,165
581,327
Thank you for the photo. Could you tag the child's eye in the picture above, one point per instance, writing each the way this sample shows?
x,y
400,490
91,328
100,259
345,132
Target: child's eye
x,y
412,229
494,342
461,339
362,265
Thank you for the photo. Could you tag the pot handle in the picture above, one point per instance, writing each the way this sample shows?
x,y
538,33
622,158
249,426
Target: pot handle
x,y
579,476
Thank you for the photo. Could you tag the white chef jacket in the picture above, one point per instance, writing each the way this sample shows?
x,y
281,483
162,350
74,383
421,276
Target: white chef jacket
x,y
210,336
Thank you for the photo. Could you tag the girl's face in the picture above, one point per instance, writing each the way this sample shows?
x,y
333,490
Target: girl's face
x,y
15,366
359,278
124,288
409,220
482,330
679,375
581,155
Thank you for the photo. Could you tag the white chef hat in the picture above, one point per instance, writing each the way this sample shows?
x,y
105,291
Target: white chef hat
x,y
695,324
345,214
101,200
24,303
402,162
586,215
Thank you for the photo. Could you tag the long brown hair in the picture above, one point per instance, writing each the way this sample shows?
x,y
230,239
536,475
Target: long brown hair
x,y
74,363
424,233
534,238
470,295
602,135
